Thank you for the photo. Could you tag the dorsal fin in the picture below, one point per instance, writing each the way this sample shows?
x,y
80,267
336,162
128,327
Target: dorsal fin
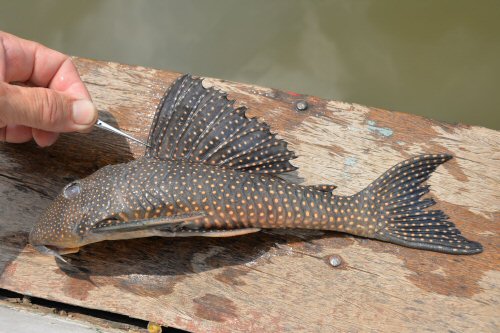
x,y
201,125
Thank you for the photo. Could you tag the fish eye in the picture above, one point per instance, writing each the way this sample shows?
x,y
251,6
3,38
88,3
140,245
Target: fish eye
x,y
72,190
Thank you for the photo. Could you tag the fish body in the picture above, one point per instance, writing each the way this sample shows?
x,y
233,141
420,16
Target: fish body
x,y
224,199
210,171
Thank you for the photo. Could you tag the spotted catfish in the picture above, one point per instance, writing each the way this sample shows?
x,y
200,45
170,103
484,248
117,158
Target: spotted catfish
x,y
211,171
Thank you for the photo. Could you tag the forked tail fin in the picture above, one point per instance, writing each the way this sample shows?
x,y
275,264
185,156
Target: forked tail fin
x,y
395,213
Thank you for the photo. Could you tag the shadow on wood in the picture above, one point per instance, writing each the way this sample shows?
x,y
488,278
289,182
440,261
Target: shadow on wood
x,y
168,260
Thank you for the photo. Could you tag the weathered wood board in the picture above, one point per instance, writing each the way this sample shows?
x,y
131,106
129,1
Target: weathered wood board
x,y
276,280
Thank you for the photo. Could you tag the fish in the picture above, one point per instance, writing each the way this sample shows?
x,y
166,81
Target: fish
x,y
211,171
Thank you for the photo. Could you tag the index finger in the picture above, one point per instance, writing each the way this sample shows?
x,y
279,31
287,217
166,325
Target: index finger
x,y
26,61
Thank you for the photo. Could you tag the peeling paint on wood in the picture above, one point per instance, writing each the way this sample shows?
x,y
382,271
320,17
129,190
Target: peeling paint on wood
x,y
273,281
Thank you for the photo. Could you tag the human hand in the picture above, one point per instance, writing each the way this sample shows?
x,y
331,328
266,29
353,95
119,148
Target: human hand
x,y
52,98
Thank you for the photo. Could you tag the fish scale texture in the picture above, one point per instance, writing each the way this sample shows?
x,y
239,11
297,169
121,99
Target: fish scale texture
x,y
228,198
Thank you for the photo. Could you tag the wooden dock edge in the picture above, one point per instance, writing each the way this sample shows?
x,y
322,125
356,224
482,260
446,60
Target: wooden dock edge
x,y
273,281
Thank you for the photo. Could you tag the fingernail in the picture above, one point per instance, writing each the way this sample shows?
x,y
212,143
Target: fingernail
x,y
84,112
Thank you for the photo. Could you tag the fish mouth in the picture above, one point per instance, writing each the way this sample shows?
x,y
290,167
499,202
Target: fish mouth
x,y
55,251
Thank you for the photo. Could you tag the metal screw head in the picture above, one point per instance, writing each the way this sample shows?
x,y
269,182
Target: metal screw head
x,y
335,260
301,105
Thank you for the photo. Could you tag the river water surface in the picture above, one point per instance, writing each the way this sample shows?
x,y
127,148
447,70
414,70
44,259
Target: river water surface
x,y
437,58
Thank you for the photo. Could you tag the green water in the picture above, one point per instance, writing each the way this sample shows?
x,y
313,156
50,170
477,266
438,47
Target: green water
x,y
437,58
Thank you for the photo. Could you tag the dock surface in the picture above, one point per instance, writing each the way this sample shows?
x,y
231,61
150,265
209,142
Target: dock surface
x,y
276,280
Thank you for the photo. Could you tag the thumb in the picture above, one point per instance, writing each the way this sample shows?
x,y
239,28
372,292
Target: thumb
x,y
44,109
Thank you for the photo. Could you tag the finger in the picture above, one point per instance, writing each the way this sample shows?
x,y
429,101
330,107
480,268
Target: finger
x,y
45,109
44,138
15,134
27,61
66,79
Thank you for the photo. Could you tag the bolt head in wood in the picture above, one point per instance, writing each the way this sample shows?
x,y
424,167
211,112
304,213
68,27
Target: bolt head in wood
x,y
301,105
335,260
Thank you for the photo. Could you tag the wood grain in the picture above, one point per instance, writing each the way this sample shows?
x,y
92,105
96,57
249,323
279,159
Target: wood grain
x,y
273,281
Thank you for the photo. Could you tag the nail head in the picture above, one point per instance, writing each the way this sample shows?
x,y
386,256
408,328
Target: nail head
x,y
335,260
301,105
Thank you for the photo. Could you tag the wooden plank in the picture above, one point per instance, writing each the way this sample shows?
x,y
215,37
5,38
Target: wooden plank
x,y
274,280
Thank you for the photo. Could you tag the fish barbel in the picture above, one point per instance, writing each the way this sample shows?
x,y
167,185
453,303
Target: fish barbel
x,y
211,171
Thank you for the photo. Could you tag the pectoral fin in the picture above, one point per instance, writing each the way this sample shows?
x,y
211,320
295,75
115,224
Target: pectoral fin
x,y
165,222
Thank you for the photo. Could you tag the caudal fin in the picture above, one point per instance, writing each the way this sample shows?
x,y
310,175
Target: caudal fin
x,y
400,217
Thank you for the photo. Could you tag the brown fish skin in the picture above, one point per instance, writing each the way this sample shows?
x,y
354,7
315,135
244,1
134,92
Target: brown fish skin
x,y
211,171
226,200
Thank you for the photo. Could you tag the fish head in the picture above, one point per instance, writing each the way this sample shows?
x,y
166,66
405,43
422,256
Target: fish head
x,y
64,226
